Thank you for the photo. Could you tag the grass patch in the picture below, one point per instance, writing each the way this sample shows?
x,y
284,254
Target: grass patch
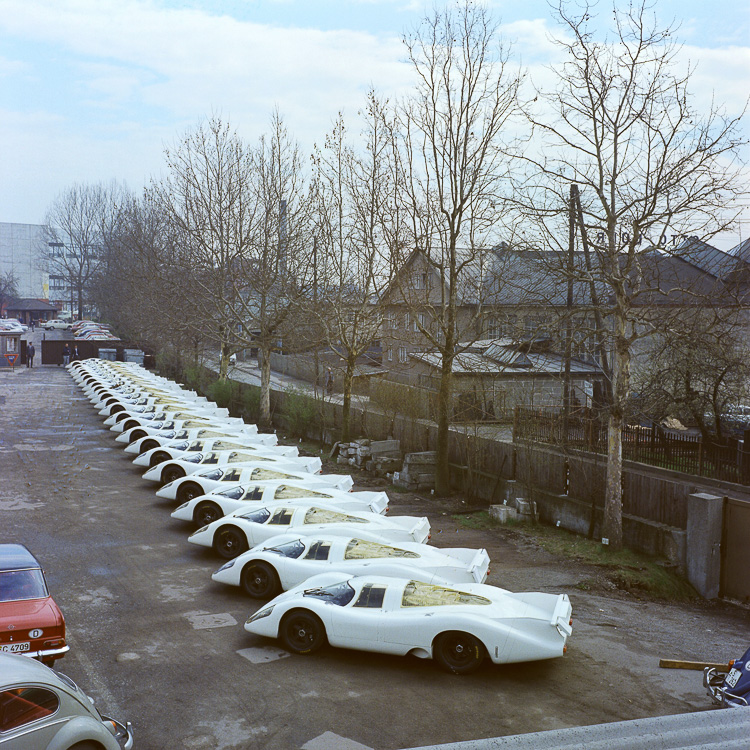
x,y
631,571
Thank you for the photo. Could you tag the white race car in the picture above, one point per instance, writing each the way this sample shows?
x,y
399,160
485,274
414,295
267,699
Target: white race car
x,y
135,428
203,509
182,448
285,561
240,477
234,534
457,625
174,468
171,410
155,438
125,420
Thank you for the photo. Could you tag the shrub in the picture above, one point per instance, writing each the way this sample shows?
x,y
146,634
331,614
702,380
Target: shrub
x,y
299,412
221,392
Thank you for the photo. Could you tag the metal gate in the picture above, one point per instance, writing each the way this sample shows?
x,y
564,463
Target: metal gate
x,y
735,556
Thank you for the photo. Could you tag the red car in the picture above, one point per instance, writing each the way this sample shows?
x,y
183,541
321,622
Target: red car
x,y
31,624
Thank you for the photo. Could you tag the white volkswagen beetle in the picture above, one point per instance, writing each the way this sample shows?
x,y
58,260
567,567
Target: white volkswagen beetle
x,y
174,468
237,532
246,477
206,508
41,708
457,625
285,561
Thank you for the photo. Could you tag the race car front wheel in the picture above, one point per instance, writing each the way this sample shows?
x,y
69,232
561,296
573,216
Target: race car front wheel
x,y
302,632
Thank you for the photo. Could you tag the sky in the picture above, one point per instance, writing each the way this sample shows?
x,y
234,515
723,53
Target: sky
x,y
94,90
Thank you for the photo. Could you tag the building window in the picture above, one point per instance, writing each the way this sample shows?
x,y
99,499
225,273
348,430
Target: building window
x,y
402,354
407,320
390,354
420,320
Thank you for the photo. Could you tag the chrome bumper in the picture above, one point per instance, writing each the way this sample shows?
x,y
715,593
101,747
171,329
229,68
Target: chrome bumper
x,y
713,681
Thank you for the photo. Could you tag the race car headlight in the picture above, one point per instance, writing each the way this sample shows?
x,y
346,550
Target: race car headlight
x,y
201,529
183,506
226,566
260,615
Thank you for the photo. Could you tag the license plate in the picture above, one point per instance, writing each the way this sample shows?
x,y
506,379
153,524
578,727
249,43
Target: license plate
x,y
733,678
15,648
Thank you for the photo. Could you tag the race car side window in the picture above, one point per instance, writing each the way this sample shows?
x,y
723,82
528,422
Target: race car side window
x,y
253,493
318,551
211,458
371,596
231,475
196,445
282,517
21,706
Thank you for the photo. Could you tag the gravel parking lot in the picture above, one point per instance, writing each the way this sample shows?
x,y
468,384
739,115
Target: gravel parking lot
x,y
155,641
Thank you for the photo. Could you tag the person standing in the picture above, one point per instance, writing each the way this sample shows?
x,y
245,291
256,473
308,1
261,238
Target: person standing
x,y
30,352
329,381
66,355
76,356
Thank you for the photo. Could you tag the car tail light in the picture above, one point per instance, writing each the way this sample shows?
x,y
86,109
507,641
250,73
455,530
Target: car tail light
x,y
55,643
565,649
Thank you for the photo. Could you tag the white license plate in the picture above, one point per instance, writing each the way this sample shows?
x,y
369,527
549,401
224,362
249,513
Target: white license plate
x,y
733,678
15,648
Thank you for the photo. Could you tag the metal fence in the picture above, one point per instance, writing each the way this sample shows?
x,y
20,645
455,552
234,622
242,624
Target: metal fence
x,y
689,453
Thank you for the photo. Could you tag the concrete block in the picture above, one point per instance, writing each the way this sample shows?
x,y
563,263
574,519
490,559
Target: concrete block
x,y
503,513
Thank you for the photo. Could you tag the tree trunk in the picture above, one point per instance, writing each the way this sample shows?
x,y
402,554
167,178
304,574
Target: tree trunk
x,y
264,418
347,405
612,526
442,474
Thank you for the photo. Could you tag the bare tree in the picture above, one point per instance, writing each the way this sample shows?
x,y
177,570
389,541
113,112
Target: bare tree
x,y
620,124
74,234
8,289
273,277
207,198
355,190
452,170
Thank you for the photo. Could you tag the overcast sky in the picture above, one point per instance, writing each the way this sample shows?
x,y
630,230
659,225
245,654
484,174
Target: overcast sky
x,y
92,90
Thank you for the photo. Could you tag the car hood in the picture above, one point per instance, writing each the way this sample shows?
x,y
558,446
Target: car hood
x,y
32,613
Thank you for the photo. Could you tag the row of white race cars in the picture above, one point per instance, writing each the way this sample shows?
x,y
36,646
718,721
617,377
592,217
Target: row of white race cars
x,y
336,568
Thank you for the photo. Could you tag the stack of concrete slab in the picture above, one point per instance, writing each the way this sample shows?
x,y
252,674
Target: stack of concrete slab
x,y
379,456
418,471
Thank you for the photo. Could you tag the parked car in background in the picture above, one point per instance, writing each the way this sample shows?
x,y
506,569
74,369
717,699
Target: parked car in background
x,y
41,709
31,624
56,323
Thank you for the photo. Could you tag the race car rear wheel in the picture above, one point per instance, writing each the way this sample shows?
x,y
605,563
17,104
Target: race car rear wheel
x,y
206,513
172,474
229,542
302,632
460,653
260,580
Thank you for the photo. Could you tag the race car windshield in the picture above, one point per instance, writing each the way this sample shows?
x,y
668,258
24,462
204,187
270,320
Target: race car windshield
x,y
288,549
233,493
215,474
338,593
257,516
18,585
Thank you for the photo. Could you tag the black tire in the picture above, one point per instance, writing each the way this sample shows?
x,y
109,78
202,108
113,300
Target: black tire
x,y
158,458
116,409
302,632
86,746
121,415
259,580
147,445
206,513
171,474
188,491
460,653
229,542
